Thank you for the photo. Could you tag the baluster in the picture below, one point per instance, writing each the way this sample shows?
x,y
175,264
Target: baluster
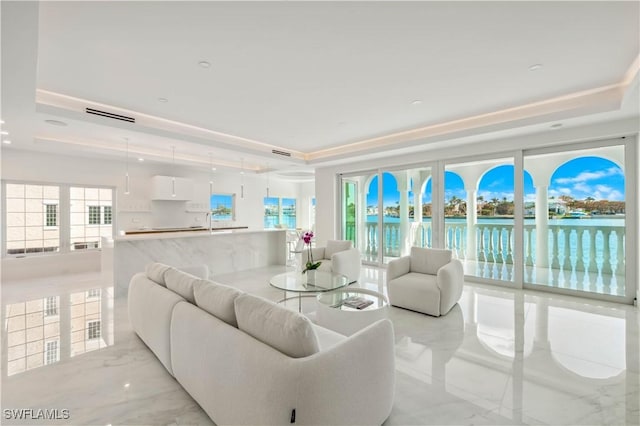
x,y
579,250
463,241
490,257
481,256
555,264
529,259
509,246
620,252
566,263
593,267
498,254
368,239
606,253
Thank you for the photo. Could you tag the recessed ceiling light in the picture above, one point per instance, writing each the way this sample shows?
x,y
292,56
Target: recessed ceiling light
x,y
55,122
535,67
213,168
163,100
557,125
141,159
204,64
1,121
6,142
4,132
416,102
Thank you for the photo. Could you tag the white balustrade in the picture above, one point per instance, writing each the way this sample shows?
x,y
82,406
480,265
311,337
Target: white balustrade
x,y
574,247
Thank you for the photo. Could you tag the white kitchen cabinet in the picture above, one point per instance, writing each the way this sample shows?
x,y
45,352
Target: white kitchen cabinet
x,y
163,188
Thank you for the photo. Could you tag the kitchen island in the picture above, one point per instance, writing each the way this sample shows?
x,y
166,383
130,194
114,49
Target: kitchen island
x,y
222,251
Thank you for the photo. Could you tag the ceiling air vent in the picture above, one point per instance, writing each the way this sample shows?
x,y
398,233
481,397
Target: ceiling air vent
x,y
110,115
286,154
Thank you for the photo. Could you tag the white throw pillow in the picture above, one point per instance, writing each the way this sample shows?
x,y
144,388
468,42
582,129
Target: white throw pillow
x,y
217,299
287,331
155,272
181,283
428,261
335,246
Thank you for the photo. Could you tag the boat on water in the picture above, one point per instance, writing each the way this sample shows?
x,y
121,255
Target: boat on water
x,y
576,215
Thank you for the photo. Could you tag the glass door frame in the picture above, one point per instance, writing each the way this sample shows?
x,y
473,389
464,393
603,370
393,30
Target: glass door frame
x,y
436,195
629,144
518,216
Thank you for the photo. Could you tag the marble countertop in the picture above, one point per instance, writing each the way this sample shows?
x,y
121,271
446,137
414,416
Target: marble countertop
x,y
189,234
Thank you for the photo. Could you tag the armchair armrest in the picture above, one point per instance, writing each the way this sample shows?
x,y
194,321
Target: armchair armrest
x,y
398,267
347,262
450,280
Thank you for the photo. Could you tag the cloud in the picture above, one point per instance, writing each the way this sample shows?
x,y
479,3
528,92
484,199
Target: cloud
x,y
587,176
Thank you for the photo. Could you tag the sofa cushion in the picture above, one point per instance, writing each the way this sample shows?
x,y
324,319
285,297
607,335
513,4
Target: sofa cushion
x,y
416,291
287,331
155,272
217,299
428,261
181,283
335,246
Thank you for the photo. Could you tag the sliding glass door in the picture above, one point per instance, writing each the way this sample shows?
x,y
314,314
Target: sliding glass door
x,y
574,230
385,212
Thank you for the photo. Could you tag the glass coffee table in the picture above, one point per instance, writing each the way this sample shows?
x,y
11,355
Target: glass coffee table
x,y
306,285
336,314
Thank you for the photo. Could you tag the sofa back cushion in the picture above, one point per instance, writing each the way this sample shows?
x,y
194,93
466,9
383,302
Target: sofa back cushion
x,y
287,331
335,246
155,272
181,283
428,261
217,299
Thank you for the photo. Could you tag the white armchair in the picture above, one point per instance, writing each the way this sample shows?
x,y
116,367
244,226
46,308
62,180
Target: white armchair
x,y
427,281
338,256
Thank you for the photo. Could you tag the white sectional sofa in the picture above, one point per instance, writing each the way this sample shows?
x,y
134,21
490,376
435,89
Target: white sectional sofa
x,y
246,360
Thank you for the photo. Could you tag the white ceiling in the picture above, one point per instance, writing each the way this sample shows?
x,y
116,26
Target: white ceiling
x,y
326,81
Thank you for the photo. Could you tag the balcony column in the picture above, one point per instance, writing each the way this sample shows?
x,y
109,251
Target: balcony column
x,y
472,219
403,188
542,226
362,241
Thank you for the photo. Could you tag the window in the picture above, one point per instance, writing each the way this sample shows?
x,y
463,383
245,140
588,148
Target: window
x,y
94,215
31,218
93,293
89,210
93,330
52,352
51,306
223,206
51,215
289,212
271,212
106,215
279,212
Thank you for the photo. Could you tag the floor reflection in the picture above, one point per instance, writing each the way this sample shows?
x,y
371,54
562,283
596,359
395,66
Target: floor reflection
x,y
45,330
526,358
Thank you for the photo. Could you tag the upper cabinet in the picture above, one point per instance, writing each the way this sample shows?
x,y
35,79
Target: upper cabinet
x,y
164,188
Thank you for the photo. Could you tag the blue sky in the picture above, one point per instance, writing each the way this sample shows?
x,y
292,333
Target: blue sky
x,y
579,178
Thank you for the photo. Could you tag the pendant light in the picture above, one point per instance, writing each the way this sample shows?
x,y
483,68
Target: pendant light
x,y
210,175
242,178
267,180
173,174
127,190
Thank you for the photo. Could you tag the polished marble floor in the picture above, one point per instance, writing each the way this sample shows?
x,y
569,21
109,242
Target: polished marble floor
x,y
501,357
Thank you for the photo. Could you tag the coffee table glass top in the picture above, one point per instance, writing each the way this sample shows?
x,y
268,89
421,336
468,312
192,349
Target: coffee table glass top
x,y
298,282
336,300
